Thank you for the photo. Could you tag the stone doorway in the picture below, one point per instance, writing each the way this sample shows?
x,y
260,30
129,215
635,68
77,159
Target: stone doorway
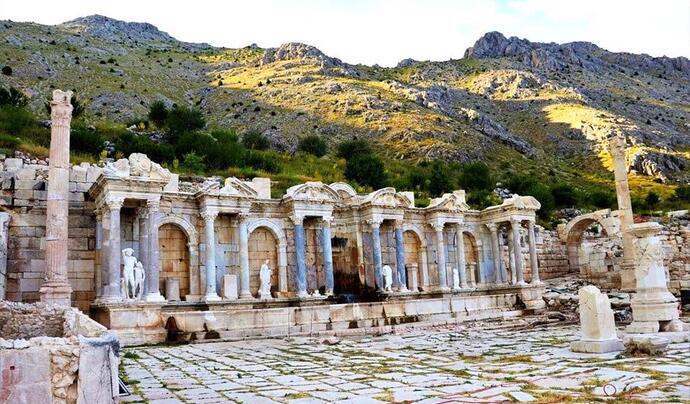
x,y
262,246
174,256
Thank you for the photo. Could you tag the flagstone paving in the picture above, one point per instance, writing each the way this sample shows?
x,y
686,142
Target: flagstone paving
x,y
468,363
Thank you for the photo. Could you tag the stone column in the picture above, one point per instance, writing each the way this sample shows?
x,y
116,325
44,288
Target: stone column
x,y
327,254
479,269
112,253
153,293
460,252
4,224
245,293
98,267
56,288
534,264
143,256
620,172
441,255
376,248
496,253
301,278
517,251
400,256
209,216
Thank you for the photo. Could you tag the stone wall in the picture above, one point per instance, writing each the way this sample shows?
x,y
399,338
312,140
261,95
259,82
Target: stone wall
x,y
552,254
69,359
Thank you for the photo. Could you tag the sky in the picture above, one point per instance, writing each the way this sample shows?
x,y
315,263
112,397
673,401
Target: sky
x,y
386,31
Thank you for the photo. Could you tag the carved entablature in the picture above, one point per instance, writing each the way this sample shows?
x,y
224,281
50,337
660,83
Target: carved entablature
x,y
387,198
346,194
453,202
515,208
137,165
315,192
521,203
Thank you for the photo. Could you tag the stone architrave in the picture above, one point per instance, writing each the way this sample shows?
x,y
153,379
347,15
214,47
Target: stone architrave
x,y
654,307
56,288
4,224
596,322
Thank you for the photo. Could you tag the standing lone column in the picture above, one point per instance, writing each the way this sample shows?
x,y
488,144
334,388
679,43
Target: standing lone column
x,y
496,253
517,251
301,278
460,252
400,256
620,172
56,288
209,216
112,252
441,256
534,265
153,293
327,254
376,249
245,293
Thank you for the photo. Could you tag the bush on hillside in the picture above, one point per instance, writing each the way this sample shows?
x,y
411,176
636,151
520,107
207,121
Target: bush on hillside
x,y
564,195
264,161
439,180
602,199
682,193
7,71
255,141
351,148
183,119
366,169
9,142
652,199
158,113
13,97
85,141
313,144
476,176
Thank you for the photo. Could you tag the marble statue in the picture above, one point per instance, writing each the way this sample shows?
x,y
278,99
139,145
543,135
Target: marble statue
x,y
456,279
133,274
387,278
596,321
265,279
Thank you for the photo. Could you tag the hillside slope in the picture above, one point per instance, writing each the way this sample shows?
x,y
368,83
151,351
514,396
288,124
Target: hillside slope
x,y
540,108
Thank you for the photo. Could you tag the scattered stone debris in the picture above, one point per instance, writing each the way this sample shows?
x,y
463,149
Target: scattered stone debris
x,y
646,346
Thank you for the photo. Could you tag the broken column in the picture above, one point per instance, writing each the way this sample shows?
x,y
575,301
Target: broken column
x,y
597,323
56,288
620,172
654,307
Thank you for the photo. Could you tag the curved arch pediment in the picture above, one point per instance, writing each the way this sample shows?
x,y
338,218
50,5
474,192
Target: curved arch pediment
x,y
312,192
451,202
344,190
236,187
522,202
186,226
273,225
389,198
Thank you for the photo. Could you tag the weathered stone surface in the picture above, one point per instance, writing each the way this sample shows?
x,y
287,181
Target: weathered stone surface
x,y
26,376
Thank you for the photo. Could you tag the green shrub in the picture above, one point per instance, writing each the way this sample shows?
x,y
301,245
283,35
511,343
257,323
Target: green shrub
x,y
9,142
366,169
264,161
476,176
182,119
602,199
682,193
193,163
255,141
544,196
13,97
652,199
439,180
564,195
85,140
17,121
158,113
482,198
7,71
313,144
128,143
351,148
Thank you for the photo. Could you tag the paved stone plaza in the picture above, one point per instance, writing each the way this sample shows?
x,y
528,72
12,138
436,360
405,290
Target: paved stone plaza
x,y
487,362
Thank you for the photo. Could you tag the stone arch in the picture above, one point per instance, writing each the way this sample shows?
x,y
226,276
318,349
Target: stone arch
x,y
276,229
174,257
421,258
574,230
192,246
472,253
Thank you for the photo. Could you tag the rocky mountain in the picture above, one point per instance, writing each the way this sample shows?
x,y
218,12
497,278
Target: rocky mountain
x,y
547,108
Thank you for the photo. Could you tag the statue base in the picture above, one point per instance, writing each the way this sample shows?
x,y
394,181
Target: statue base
x,y
59,293
597,346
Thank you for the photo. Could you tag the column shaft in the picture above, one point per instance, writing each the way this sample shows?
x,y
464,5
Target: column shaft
x,y
245,293
460,259
378,260
301,277
400,257
517,251
153,293
209,219
113,254
327,256
534,265
441,257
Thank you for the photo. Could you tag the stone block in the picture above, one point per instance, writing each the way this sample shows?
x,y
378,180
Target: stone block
x,y
173,185
92,173
26,376
230,287
172,289
77,174
13,164
99,384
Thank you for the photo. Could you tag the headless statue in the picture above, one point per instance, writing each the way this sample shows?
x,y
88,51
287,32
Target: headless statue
x,y
387,278
265,279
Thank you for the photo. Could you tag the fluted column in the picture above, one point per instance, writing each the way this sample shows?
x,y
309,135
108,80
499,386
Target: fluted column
x,y
441,255
112,252
534,265
301,278
480,269
460,259
517,251
376,248
209,216
153,293
56,288
243,230
327,254
400,256
98,275
496,253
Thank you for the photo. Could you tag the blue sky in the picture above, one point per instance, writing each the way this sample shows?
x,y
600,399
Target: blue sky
x,y
386,31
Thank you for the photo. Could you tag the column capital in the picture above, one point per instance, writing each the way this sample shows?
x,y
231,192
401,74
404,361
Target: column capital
x,y
493,227
115,203
515,222
209,214
297,219
375,223
438,225
142,213
326,220
399,223
153,205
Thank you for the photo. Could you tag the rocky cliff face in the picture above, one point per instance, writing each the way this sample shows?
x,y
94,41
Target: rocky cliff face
x,y
509,101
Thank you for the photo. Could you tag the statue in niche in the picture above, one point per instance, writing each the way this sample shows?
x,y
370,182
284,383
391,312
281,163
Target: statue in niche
x,y
133,274
265,280
456,279
387,278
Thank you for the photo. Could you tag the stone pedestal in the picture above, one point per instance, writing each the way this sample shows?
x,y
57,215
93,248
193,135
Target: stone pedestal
x,y
654,307
596,321
172,290
230,287
412,272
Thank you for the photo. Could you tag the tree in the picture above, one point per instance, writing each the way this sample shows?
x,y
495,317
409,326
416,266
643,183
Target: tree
x,y
182,119
476,176
13,97
313,144
564,195
255,141
439,180
351,148
543,194
366,169
602,199
682,193
7,71
652,199
158,113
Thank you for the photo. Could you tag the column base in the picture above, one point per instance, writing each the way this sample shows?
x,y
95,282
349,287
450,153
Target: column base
x,y
596,346
522,283
302,294
154,298
56,293
212,297
536,282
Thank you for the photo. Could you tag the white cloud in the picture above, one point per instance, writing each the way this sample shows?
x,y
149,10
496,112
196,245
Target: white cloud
x,y
386,31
